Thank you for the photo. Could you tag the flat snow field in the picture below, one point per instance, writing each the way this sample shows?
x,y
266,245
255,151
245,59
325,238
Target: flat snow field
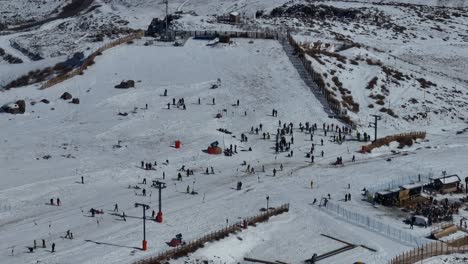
x,y
80,140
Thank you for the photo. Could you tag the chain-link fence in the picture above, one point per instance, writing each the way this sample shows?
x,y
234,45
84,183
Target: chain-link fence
x,y
374,225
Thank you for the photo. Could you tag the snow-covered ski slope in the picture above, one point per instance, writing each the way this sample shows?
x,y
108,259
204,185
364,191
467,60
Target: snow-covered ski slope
x,y
80,140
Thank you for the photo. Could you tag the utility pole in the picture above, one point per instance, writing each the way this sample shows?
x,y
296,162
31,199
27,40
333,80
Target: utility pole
x,y
145,207
159,185
167,18
374,125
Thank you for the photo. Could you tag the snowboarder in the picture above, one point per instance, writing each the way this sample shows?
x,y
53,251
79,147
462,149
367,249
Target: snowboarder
x,y
165,92
168,106
239,185
188,189
354,158
312,158
116,208
58,201
237,102
144,180
214,101
68,234
315,201
34,243
321,141
281,166
144,192
53,247
51,201
82,180
43,243
142,164
153,214
311,184
212,170
274,172
173,101
123,216
322,153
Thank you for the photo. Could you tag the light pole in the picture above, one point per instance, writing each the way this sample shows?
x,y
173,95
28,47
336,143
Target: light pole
x,y
159,185
145,207
374,125
268,199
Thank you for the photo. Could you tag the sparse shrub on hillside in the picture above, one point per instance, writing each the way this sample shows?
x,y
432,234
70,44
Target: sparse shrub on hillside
x,y
372,83
424,83
349,103
371,62
391,113
395,73
337,82
370,106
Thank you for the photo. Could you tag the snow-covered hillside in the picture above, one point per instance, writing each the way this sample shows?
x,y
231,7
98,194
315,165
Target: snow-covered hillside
x,y
405,62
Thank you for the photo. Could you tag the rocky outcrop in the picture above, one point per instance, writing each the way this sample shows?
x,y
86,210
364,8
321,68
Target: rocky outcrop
x,y
66,96
19,107
126,84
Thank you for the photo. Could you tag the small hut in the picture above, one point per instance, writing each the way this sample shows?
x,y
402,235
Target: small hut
x,y
388,198
234,17
447,184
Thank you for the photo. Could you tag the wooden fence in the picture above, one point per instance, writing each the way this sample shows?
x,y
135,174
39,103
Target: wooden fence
x,y
427,251
386,140
334,105
193,245
233,34
90,59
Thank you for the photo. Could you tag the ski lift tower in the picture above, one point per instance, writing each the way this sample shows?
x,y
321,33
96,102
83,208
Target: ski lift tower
x,y
166,33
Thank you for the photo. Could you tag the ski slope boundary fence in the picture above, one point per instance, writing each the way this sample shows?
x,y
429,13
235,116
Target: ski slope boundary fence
x,y
90,59
427,251
333,103
399,137
374,225
266,34
193,245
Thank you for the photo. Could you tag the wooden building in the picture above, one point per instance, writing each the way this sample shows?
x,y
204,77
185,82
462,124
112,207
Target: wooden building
x,y
446,184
